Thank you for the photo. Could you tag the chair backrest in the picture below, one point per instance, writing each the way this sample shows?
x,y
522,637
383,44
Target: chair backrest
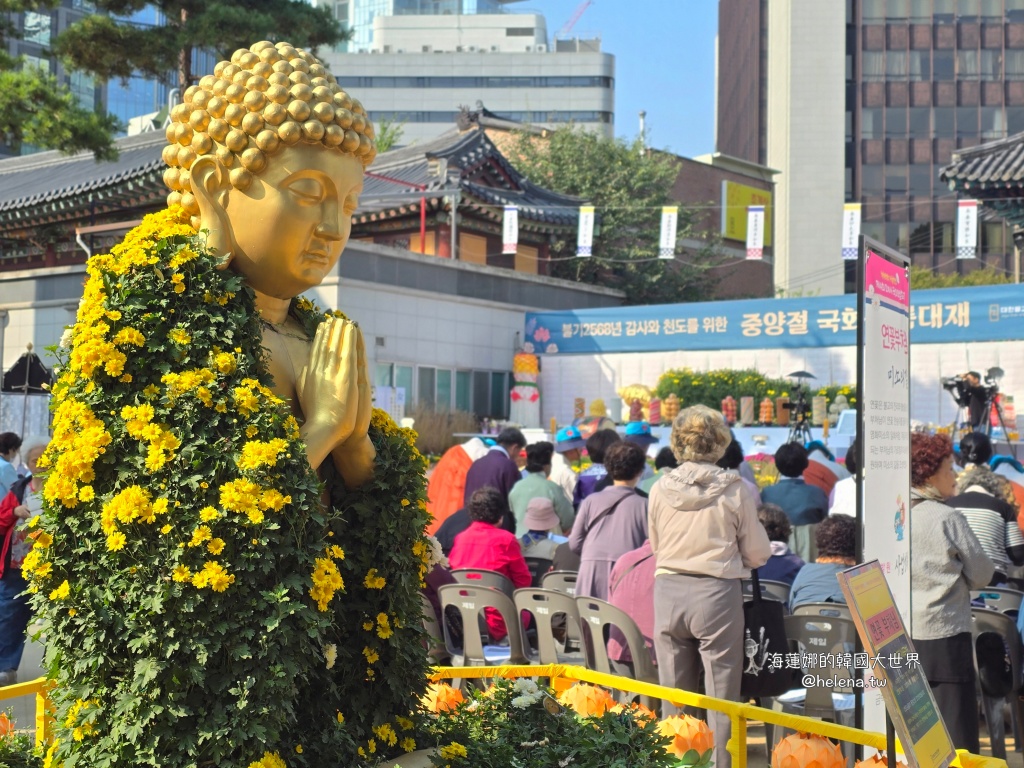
x,y
1001,598
775,590
538,566
834,610
563,581
481,577
827,639
434,640
544,605
471,601
988,620
595,615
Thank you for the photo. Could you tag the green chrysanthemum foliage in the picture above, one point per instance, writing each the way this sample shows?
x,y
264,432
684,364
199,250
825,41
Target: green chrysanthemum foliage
x,y
189,578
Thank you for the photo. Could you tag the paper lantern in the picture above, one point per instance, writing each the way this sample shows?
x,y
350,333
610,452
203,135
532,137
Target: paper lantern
x,y
877,761
670,408
767,412
587,700
746,411
782,411
686,733
441,697
654,411
729,409
803,750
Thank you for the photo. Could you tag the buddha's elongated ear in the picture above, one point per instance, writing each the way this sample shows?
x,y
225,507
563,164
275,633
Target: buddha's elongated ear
x,y
211,187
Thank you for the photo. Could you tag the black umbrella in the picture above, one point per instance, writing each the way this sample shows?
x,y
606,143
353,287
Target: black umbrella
x,y
801,375
28,376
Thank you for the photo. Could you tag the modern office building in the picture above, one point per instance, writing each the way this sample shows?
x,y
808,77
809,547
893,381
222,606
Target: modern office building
x,y
420,70
35,30
910,80
359,15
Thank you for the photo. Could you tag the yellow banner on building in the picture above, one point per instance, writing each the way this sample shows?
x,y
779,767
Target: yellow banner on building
x,y
736,198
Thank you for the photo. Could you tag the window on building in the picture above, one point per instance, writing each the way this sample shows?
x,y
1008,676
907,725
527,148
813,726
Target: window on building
x,y
1015,65
920,181
942,237
921,11
872,11
425,383
895,179
871,180
1014,120
1015,10
403,380
993,123
966,121
464,391
896,65
895,122
382,375
897,234
944,122
945,12
849,126
920,123
993,237
37,27
499,395
920,66
35,62
943,65
481,393
921,238
967,65
897,10
871,123
443,399
992,11
83,86
968,10
873,65
519,31
991,65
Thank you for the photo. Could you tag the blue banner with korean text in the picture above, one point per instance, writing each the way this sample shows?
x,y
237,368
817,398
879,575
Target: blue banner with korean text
x,y
986,313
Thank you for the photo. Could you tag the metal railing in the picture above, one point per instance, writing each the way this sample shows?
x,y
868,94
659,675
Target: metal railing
x,y
44,718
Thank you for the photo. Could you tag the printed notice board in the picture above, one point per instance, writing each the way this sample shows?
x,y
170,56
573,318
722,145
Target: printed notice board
x,y
892,658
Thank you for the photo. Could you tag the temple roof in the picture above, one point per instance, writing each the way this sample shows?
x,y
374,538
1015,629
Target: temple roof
x,y
992,173
49,187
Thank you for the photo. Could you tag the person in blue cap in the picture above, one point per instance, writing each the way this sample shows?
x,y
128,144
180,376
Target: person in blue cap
x,y
569,444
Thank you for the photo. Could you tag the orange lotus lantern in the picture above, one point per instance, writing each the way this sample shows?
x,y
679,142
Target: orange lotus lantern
x,y
802,750
441,697
686,733
587,700
6,726
877,761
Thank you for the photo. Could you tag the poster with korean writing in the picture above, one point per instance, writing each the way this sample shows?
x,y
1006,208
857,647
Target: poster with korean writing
x,y
884,461
895,664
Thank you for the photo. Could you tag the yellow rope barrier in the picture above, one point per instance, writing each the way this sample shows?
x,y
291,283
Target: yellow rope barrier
x,y
40,687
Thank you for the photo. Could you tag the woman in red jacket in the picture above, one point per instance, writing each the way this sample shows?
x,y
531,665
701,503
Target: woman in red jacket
x,y
23,502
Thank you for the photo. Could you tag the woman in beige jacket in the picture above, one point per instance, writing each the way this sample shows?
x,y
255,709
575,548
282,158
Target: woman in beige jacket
x,y
706,537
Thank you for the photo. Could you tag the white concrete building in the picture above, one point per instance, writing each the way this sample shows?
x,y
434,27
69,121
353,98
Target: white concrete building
x,y
420,70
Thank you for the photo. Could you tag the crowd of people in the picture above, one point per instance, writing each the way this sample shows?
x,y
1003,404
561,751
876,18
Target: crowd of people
x,y
670,546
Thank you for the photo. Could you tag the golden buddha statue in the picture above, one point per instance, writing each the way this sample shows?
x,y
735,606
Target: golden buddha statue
x,y
267,156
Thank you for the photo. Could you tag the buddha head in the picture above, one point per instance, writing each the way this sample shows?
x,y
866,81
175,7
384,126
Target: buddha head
x,y
267,156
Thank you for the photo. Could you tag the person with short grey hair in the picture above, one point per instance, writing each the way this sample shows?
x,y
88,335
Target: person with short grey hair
x,y
706,537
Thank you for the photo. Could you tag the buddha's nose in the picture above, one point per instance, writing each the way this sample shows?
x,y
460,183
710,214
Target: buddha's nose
x,y
330,226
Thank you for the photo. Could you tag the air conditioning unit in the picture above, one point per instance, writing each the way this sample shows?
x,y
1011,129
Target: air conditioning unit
x,y
472,49
494,49
400,50
529,49
427,48
541,48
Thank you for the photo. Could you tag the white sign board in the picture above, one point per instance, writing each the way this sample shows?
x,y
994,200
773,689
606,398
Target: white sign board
x,y
884,375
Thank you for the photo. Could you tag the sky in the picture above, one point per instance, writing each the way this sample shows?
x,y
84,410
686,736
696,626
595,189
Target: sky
x,y
664,63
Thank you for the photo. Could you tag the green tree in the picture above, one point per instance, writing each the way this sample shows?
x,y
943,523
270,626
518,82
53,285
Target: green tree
x,y
36,110
110,47
389,133
628,186
922,278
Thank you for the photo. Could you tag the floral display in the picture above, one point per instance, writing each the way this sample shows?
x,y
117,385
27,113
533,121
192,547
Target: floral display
x,y
520,723
201,604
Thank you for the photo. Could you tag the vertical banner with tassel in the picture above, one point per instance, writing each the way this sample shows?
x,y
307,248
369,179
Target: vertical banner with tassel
x,y
851,230
510,230
667,245
755,231
585,235
966,229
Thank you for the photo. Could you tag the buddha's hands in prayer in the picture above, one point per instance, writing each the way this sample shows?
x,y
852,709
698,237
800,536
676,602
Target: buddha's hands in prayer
x,y
335,397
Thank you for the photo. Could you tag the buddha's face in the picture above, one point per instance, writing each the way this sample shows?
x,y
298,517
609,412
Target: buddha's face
x,y
292,223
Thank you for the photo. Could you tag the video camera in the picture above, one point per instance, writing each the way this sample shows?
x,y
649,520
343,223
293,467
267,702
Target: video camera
x,y
799,407
962,388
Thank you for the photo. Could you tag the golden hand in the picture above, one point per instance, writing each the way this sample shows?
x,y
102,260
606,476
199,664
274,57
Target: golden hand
x,y
335,398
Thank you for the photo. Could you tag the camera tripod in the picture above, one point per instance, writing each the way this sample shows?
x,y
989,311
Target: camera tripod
x,y
799,428
963,417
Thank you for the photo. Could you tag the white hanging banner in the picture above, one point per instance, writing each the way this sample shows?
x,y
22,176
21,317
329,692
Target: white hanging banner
x,y
510,230
755,231
667,246
966,229
851,230
585,236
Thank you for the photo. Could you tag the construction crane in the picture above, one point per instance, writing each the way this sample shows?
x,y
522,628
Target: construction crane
x,y
580,9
